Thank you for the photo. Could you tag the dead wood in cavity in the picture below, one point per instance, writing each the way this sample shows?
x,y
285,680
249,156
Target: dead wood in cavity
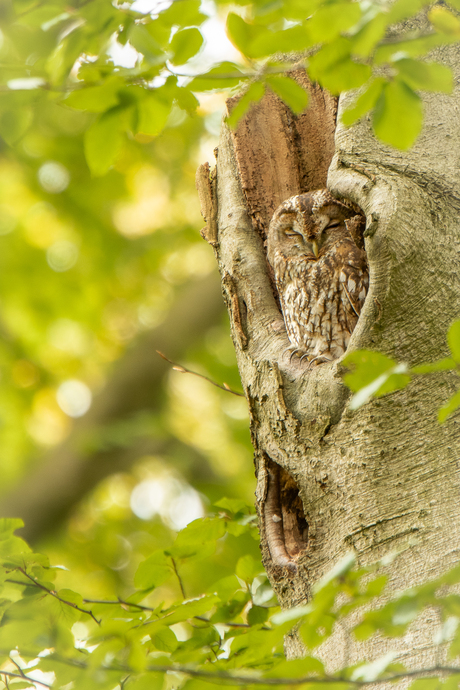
x,y
280,154
286,528
238,310
205,182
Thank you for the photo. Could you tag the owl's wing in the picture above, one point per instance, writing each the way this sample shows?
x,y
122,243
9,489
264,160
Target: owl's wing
x,y
353,279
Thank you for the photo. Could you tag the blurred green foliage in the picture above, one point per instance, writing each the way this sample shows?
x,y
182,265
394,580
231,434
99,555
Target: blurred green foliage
x,y
374,374
105,111
227,630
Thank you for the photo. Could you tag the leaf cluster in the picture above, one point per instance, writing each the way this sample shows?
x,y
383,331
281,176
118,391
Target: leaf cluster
x,y
66,53
374,374
232,633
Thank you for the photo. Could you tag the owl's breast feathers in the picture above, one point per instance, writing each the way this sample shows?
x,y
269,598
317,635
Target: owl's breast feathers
x,y
322,299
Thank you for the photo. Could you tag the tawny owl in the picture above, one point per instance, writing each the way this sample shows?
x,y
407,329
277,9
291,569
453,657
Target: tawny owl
x,y
321,273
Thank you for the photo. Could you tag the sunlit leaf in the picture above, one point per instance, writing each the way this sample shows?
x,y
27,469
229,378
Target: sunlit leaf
x,y
398,115
446,364
428,76
96,99
372,671
153,113
365,102
222,76
185,44
103,142
152,572
165,640
331,20
444,21
449,408
289,91
142,40
253,94
453,339
365,40
247,568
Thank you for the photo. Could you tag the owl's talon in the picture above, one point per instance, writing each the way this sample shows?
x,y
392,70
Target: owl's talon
x,y
292,351
322,360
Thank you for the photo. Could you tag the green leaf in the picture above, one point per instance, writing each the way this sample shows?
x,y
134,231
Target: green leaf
x,y
293,614
365,40
425,684
427,76
190,609
242,34
152,572
398,115
96,99
257,615
412,47
365,102
223,76
444,21
200,531
184,13
185,44
103,142
403,9
289,91
331,20
253,94
225,587
247,568
11,548
368,365
449,408
372,671
297,668
146,681
152,114
165,640
8,526
446,364
453,339
335,69
271,42
142,40
233,505
341,568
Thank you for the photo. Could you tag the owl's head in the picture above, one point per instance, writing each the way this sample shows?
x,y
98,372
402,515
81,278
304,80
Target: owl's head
x,y
307,225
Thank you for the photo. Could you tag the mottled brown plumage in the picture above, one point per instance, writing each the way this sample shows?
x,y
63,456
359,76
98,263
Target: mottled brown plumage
x,y
321,273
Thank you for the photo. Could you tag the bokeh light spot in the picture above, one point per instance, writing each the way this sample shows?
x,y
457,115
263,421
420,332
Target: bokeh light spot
x,y
53,177
74,397
62,255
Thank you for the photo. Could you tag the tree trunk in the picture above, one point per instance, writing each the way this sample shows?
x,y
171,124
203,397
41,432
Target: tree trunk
x,y
387,475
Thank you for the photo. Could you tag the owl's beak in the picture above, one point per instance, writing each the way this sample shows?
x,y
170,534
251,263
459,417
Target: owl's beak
x,y
314,246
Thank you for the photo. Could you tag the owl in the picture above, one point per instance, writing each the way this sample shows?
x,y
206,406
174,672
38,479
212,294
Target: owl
x,y
321,273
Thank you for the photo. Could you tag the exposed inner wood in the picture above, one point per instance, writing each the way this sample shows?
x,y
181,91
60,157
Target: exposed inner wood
x,y
285,524
279,154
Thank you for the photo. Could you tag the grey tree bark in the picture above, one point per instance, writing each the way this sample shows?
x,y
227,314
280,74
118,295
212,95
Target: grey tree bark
x,y
386,475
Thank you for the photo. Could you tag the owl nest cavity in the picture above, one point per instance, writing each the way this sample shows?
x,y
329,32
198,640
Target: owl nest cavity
x,y
315,247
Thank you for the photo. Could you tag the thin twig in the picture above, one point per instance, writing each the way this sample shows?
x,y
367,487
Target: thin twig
x,y
181,584
120,602
184,370
30,680
56,595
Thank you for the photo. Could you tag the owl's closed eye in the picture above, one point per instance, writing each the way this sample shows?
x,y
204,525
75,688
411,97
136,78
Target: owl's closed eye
x,y
321,273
